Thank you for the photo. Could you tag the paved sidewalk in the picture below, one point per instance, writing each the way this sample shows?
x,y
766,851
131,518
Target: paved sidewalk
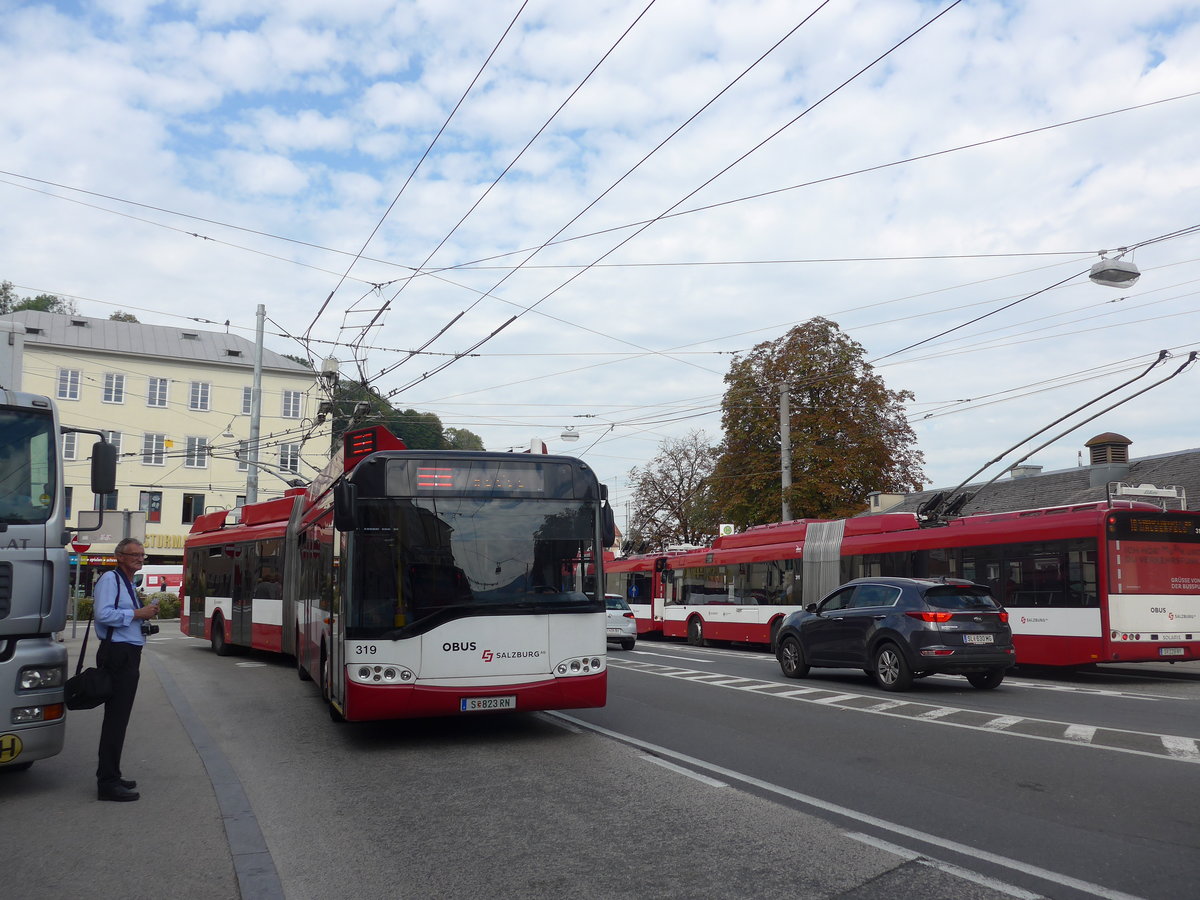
x,y
61,842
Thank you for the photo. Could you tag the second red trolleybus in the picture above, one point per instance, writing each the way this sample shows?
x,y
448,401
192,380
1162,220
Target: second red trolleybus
x,y
417,583
1096,582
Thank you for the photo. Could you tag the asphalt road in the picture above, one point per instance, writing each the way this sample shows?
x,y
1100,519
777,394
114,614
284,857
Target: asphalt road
x,y
706,787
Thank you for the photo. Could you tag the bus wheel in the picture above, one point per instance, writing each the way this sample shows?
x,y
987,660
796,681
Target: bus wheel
x,y
219,644
300,670
696,633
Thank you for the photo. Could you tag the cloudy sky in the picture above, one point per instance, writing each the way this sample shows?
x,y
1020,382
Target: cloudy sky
x,y
624,194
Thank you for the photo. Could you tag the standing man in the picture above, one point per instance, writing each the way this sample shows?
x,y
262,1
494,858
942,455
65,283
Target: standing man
x,y
125,622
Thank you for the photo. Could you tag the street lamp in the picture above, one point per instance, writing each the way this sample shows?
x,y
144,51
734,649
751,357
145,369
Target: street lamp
x,y
570,435
1118,273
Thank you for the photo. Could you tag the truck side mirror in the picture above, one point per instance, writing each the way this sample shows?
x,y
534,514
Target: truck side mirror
x,y
104,468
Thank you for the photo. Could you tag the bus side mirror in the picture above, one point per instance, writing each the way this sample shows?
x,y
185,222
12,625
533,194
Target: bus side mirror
x,y
345,498
608,526
104,468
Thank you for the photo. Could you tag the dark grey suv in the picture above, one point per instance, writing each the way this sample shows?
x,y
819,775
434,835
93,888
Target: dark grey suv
x,y
896,629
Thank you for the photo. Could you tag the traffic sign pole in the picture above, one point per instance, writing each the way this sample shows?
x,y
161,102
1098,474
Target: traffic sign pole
x,y
80,547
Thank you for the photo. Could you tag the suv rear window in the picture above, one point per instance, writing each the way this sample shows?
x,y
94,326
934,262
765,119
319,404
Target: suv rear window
x,y
955,597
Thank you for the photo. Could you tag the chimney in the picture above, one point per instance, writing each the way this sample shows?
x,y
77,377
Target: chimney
x,y
1109,458
878,501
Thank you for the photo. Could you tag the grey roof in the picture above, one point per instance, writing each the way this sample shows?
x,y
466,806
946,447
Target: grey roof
x,y
1084,484
165,341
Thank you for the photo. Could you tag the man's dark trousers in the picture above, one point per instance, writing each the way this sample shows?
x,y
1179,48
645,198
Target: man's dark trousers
x,y
122,661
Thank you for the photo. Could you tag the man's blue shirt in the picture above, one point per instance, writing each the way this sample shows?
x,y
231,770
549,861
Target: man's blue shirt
x,y
113,605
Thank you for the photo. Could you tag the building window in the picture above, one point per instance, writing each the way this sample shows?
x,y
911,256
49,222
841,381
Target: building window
x,y
105,501
114,387
196,456
150,502
68,384
239,501
198,398
156,393
242,455
193,507
70,443
289,458
154,450
293,402
114,438
247,401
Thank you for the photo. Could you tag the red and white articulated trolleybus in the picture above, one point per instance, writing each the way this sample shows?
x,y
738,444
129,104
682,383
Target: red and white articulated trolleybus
x,y
639,579
420,583
1097,582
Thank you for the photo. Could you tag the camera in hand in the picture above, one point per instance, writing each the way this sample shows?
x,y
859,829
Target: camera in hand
x,y
149,629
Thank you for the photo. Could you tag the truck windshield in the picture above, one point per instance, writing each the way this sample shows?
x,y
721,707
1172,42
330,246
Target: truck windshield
x,y
419,562
28,477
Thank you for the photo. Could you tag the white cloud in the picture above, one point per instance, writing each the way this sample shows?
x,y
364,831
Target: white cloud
x,y
304,118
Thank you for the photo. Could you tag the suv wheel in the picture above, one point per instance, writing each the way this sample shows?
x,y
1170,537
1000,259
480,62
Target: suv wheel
x,y
890,669
985,681
791,658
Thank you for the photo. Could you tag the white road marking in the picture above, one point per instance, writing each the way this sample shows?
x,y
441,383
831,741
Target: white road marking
x,y
696,776
837,698
1182,749
1083,734
938,713
1001,722
949,868
924,837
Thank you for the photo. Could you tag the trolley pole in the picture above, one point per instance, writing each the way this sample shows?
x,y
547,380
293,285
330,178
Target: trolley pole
x,y
785,450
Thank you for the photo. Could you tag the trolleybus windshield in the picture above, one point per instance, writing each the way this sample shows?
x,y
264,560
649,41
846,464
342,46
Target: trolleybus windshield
x,y
421,561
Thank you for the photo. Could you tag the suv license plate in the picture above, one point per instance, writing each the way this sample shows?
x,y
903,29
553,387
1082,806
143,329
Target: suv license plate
x,y
1171,651
478,704
977,638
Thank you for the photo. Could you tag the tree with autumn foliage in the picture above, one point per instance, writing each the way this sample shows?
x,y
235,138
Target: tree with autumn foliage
x,y
849,433
672,502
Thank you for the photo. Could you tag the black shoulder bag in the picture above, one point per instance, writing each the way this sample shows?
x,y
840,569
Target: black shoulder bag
x,y
89,688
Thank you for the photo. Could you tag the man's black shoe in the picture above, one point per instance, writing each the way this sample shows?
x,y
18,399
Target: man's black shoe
x,y
117,792
128,783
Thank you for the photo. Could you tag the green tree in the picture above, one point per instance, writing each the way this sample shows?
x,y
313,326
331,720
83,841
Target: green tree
x,y
122,316
672,495
849,434
51,303
355,405
462,439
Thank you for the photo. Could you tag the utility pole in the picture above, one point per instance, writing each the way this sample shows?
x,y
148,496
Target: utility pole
x,y
255,410
785,450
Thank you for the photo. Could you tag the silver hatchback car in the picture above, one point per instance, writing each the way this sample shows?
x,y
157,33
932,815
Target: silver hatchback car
x,y
622,626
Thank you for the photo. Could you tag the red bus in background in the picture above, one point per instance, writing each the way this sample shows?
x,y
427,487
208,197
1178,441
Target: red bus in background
x,y
1090,583
417,583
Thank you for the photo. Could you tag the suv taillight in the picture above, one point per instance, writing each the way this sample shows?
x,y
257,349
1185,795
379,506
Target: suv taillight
x,y
627,615
1003,615
931,616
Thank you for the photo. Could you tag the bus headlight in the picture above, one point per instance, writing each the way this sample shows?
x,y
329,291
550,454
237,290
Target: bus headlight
x,y
583,665
381,675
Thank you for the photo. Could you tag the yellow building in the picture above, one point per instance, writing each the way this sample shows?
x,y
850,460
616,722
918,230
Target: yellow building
x,y
176,402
